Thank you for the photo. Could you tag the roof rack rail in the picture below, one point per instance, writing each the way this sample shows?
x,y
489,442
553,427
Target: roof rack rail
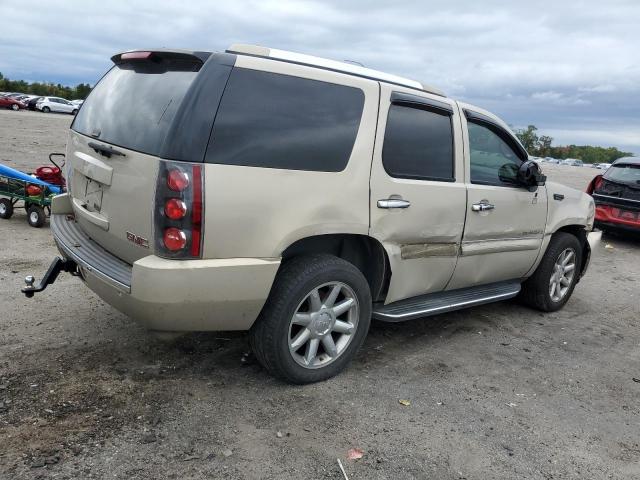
x,y
333,65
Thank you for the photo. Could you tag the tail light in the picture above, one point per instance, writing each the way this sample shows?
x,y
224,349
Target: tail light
x,y
594,184
178,215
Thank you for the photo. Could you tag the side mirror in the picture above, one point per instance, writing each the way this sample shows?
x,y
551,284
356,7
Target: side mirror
x,y
530,176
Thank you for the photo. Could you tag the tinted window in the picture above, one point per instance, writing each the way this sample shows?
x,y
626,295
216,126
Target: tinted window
x,y
134,108
279,121
418,144
493,161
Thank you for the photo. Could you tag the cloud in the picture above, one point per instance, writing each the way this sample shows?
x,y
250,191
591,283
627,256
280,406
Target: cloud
x,y
561,65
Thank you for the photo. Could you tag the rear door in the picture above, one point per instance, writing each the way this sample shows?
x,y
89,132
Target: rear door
x,y
418,196
505,222
131,111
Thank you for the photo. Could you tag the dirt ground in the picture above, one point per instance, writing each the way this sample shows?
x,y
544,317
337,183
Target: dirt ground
x,y
499,391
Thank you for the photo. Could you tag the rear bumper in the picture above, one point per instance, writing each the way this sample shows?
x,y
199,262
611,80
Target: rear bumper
x,y
622,218
171,295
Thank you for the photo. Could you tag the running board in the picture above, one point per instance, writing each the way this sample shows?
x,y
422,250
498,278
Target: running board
x,y
448,301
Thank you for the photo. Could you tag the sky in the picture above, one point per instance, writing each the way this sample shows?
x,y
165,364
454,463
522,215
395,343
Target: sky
x,y
570,68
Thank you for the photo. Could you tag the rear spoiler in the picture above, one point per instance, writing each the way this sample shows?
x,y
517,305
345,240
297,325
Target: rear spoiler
x,y
157,55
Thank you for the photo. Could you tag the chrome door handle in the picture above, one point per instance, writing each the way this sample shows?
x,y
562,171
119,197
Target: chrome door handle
x,y
393,203
482,207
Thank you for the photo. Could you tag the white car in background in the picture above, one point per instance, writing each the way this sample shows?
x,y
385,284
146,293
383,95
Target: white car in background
x,y
77,102
604,166
56,104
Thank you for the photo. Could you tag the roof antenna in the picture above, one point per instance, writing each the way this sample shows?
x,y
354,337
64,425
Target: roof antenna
x,y
354,62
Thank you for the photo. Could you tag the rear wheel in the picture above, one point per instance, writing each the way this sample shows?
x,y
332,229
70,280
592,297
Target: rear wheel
x,y
552,284
315,320
36,216
6,208
46,109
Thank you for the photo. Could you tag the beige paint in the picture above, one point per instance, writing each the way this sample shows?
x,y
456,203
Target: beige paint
x,y
192,295
572,210
128,187
436,214
499,244
259,212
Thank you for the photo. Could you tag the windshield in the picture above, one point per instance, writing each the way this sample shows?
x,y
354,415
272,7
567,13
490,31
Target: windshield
x,y
133,108
624,173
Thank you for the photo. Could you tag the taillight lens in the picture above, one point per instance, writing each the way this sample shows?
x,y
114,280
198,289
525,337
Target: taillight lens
x,y
594,184
177,180
174,239
175,208
179,212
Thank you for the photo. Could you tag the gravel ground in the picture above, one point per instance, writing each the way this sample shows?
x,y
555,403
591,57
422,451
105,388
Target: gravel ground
x,y
499,391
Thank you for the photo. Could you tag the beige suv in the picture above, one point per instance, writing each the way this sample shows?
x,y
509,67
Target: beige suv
x,y
297,198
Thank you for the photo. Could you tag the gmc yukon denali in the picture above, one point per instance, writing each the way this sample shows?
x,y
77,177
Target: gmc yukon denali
x,y
297,198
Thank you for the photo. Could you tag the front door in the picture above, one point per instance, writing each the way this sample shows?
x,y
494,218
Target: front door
x,y
505,222
418,197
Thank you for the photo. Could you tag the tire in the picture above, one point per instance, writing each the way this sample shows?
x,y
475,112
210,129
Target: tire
x,y
6,208
46,109
274,333
75,111
36,216
15,107
537,290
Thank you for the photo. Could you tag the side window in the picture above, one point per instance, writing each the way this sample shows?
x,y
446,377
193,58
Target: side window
x,y
280,121
418,144
493,161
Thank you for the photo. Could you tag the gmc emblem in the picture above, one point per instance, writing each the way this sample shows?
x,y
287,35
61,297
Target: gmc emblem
x,y
140,241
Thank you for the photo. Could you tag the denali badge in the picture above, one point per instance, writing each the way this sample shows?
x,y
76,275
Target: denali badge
x,y
140,241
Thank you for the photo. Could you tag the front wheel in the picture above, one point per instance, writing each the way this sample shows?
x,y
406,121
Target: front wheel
x,y
552,284
46,109
315,320
15,107
75,111
36,216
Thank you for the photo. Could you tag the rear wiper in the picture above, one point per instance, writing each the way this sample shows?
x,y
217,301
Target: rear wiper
x,y
105,150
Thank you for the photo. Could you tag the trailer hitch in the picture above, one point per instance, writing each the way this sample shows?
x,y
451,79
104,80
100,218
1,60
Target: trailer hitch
x,y
58,265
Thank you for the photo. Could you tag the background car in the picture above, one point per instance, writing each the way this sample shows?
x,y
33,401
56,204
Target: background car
x,y
10,102
31,104
617,196
56,104
77,102
604,166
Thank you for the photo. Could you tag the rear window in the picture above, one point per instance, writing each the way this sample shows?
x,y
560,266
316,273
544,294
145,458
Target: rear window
x,y
280,121
624,173
134,108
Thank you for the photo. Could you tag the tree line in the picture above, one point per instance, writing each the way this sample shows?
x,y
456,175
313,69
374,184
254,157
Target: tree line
x,y
79,92
540,146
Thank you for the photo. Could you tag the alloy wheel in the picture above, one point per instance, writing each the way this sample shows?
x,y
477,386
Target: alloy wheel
x,y
562,275
323,325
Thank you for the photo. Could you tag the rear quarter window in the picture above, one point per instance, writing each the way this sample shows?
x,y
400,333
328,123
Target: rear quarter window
x,y
279,121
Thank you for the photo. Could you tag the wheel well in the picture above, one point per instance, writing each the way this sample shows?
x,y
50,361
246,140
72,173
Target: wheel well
x,y
365,252
581,234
